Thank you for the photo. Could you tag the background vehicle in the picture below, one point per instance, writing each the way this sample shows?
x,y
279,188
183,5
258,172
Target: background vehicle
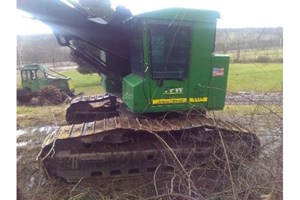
x,y
161,76
48,85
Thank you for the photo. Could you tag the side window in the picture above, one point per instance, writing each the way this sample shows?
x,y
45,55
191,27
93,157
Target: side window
x,y
40,74
27,75
170,44
137,50
32,75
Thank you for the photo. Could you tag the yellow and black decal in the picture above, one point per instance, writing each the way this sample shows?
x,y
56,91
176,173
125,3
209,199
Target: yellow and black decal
x,y
198,99
179,100
169,101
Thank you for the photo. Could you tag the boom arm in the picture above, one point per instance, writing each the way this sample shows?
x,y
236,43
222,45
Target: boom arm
x,y
71,23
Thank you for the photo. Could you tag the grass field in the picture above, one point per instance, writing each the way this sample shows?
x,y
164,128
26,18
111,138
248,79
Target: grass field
x,y
88,83
263,56
255,77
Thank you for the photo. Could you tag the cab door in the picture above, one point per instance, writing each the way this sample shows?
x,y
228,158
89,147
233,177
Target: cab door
x,y
169,55
29,80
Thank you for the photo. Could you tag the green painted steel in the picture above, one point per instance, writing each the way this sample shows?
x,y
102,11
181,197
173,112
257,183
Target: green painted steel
x,y
178,69
109,86
179,14
218,82
134,94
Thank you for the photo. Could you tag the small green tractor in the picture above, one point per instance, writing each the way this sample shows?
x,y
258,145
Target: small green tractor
x,y
47,85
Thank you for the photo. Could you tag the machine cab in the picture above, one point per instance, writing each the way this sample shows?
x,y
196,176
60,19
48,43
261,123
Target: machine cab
x,y
173,63
32,76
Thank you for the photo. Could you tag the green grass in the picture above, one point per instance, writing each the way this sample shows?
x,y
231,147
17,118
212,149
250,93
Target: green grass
x,y
31,116
255,77
88,83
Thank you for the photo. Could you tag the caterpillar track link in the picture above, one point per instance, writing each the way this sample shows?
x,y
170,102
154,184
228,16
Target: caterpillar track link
x,y
87,108
124,146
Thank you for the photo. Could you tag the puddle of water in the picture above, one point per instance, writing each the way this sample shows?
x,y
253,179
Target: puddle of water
x,y
33,135
19,157
22,144
40,130
21,132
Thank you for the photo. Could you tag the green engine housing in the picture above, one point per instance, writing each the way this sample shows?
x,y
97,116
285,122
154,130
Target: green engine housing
x,y
173,65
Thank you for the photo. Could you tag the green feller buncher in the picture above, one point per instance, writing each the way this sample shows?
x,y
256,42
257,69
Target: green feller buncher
x,y
161,76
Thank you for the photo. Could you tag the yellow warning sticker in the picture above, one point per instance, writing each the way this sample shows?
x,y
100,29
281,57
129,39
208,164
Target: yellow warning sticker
x,y
70,82
169,101
198,99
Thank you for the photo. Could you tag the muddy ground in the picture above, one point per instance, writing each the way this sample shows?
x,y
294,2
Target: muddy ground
x,y
256,180
254,98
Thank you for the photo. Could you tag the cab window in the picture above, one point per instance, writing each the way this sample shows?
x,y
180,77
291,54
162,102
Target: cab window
x,y
170,44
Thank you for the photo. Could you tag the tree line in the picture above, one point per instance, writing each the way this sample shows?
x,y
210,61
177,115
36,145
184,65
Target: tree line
x,y
40,49
248,39
251,44
236,42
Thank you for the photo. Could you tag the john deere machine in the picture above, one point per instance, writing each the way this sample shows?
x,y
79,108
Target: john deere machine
x,y
47,85
161,77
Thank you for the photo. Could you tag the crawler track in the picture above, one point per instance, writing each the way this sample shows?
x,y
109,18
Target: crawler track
x,y
123,146
89,108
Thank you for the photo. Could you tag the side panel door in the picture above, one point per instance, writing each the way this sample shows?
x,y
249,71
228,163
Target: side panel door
x,y
169,55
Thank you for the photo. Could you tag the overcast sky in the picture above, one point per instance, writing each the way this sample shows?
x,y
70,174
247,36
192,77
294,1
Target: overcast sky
x,y
234,13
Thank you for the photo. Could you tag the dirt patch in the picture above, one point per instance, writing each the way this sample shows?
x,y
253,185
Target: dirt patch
x,y
37,116
254,98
